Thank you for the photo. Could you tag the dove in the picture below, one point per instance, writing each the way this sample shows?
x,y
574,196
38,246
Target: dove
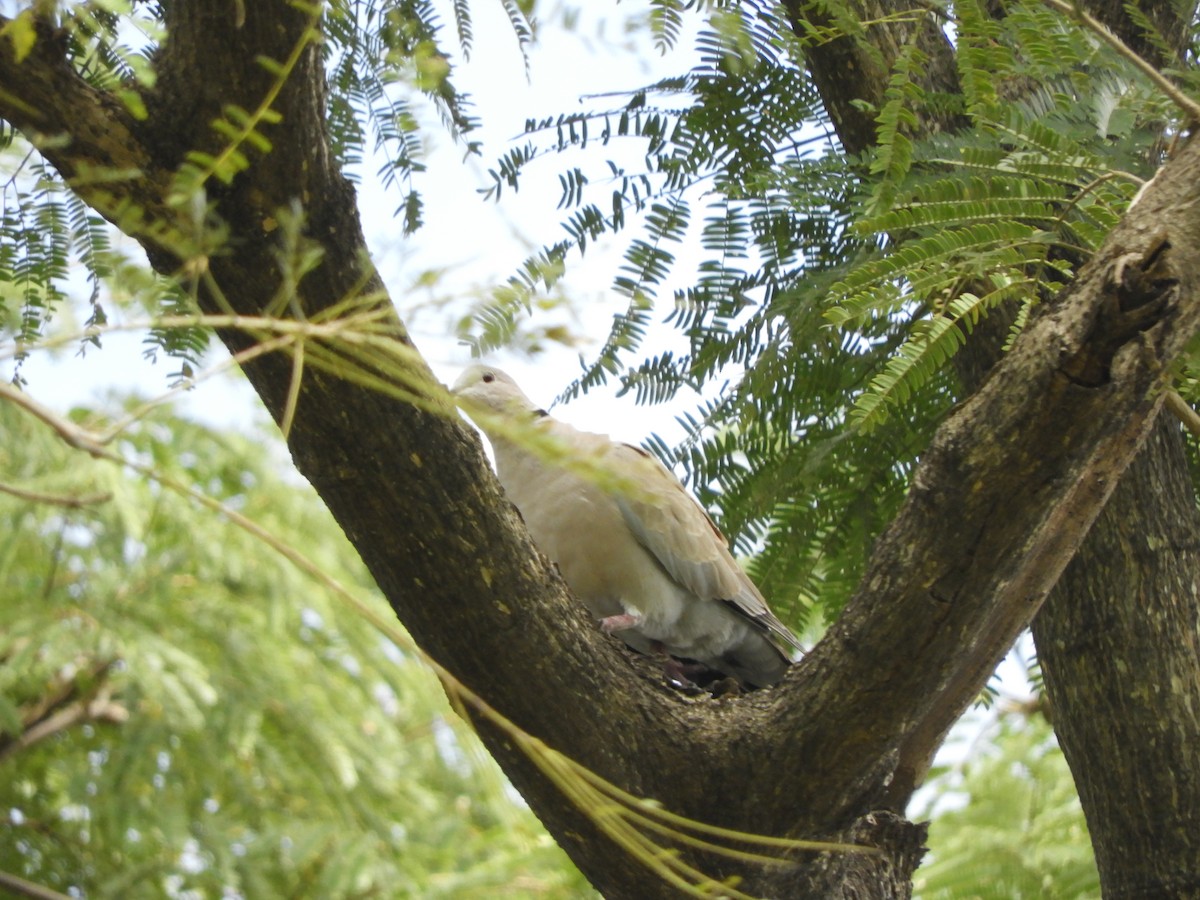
x,y
628,539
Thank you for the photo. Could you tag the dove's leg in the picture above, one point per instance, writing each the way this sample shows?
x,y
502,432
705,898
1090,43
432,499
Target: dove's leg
x,y
609,624
688,674
693,676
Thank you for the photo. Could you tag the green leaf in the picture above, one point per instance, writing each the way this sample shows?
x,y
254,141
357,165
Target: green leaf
x,y
21,32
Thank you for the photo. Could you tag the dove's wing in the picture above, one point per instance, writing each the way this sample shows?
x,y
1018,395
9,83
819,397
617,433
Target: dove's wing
x,y
668,522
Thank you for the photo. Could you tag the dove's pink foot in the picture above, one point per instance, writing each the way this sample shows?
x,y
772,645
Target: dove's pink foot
x,y
609,624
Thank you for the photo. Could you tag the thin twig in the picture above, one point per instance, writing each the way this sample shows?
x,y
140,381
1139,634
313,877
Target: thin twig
x,y
1183,412
99,709
293,396
1102,31
54,499
22,888
75,436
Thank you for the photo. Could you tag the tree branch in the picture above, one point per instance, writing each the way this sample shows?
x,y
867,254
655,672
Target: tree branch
x,y
1125,596
1183,412
851,63
67,500
1009,487
22,888
99,709
88,135
62,707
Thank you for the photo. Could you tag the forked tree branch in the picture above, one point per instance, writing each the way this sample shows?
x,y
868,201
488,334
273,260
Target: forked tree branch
x,y
1000,502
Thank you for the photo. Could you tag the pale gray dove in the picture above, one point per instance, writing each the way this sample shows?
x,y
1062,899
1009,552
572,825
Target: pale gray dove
x,y
628,539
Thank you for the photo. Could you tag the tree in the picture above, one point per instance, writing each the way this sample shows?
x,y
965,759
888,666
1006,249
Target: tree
x,y
251,219
187,710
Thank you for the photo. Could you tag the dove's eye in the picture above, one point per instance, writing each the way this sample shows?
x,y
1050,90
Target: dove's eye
x,y
488,377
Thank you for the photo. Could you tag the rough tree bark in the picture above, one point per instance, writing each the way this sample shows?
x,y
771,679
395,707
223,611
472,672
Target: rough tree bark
x,y
1005,494
1117,639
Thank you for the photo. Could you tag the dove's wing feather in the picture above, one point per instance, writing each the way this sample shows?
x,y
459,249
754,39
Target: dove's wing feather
x,y
669,522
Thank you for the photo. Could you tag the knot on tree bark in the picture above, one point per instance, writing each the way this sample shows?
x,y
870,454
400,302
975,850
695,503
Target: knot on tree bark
x,y
842,876
1138,291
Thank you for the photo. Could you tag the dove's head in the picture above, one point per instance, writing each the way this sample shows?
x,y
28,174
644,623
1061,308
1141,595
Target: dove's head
x,y
491,389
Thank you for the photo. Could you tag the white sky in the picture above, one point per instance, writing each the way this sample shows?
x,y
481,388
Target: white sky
x,y
487,242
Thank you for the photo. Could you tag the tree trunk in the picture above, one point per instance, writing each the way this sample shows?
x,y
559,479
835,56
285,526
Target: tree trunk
x,y
1117,640
1120,650
1004,495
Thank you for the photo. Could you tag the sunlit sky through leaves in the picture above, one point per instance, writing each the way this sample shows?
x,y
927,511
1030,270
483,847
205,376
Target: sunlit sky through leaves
x,y
468,243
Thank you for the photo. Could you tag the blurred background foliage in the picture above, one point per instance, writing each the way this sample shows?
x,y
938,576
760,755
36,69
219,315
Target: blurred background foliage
x,y
183,712
1006,821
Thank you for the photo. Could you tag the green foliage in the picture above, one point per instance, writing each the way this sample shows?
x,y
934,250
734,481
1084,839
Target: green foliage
x,y
1014,827
377,54
44,228
41,224
182,709
833,293
380,56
